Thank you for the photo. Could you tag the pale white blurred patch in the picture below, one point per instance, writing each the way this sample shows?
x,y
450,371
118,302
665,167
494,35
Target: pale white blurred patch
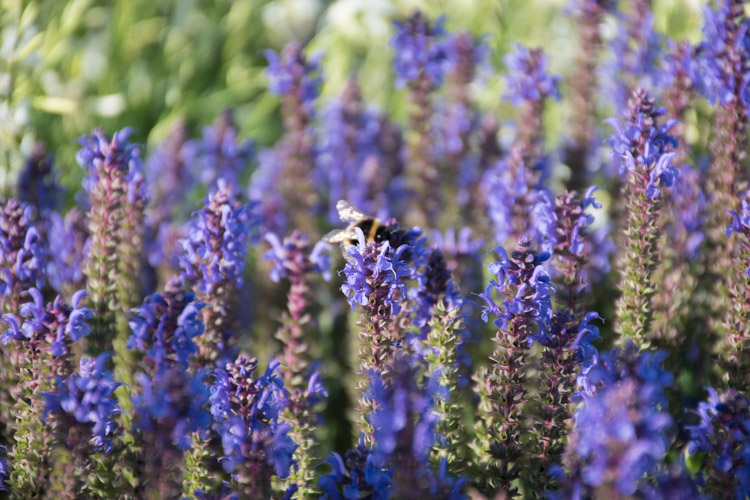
x,y
361,19
288,20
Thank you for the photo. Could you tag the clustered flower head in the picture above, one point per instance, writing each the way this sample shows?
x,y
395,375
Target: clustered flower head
x,y
723,433
216,242
292,72
420,50
55,324
172,406
529,79
642,146
246,415
294,257
376,273
165,325
622,430
87,396
22,254
219,154
723,71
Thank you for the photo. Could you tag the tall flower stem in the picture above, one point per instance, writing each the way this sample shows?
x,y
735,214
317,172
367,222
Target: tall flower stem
x,y
642,146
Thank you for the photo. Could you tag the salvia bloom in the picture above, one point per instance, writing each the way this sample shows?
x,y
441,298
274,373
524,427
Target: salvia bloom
x,y
168,177
246,416
359,475
529,87
69,236
525,313
528,78
55,324
86,398
23,257
296,260
170,409
172,405
622,430
37,183
724,56
723,433
41,341
376,277
403,422
573,245
643,148
420,62
164,327
296,79
219,154
349,161
114,178
213,260
420,51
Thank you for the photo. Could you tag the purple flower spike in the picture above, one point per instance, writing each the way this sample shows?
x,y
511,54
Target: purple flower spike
x,y
86,399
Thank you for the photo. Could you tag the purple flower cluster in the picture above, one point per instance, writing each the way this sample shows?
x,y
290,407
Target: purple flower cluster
x,y
622,430
376,273
525,287
99,154
724,57
293,73
420,51
55,324
246,416
22,253
171,406
219,154
723,433
216,241
360,474
87,396
288,259
528,79
435,284
69,237
404,422
164,327
641,146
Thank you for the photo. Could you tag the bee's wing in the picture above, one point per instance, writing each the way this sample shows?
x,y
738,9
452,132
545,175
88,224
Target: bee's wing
x,y
347,212
340,236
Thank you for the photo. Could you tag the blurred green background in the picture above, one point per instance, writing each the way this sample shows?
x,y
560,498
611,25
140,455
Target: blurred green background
x,y
69,66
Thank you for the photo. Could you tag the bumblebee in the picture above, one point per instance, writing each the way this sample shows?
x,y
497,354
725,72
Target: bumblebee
x,y
372,228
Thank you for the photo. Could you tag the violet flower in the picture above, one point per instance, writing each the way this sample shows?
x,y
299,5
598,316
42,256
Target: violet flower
x,y
246,416
643,149
164,328
69,236
23,255
214,260
296,79
525,313
723,433
219,154
420,63
86,399
113,182
622,431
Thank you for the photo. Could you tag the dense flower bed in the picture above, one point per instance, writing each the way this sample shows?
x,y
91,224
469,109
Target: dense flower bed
x,y
509,321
